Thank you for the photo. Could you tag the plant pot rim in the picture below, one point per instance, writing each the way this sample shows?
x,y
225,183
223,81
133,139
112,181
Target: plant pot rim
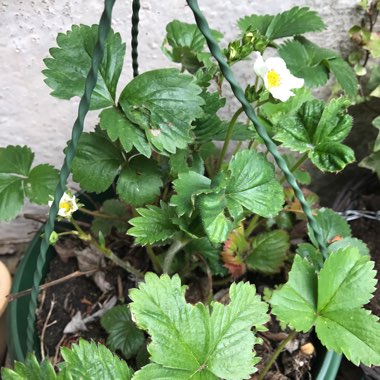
x,y
18,311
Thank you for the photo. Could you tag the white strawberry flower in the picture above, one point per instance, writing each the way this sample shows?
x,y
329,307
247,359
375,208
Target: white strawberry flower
x,y
67,205
277,78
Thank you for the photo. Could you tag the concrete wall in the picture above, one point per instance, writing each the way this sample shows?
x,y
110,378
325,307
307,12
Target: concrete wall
x,y
30,116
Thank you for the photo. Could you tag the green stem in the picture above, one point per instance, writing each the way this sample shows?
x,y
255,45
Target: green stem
x,y
153,258
295,166
100,214
252,225
106,251
73,232
176,246
229,136
275,354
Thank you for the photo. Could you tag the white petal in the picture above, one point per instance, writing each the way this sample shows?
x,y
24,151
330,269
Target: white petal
x,y
276,63
259,66
281,93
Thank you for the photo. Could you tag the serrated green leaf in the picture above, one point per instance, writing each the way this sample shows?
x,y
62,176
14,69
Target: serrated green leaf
x,y
349,242
117,216
11,196
249,183
96,163
139,183
184,43
30,370
184,161
70,63
118,127
210,252
303,63
41,183
16,160
344,75
188,186
345,283
331,225
155,224
253,185
318,130
163,103
295,303
309,252
89,361
286,24
356,335
189,340
212,211
123,334
269,251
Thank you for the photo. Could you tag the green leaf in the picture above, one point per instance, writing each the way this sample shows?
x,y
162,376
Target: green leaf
x,y
250,184
302,175
139,182
313,63
215,222
155,224
123,334
189,341
344,75
295,303
30,370
253,185
17,180
70,63
16,160
210,252
303,63
163,103
286,24
319,129
372,162
118,127
117,216
184,42
349,242
96,163
331,225
11,196
188,186
89,361
41,183
345,283
269,251
184,161
309,252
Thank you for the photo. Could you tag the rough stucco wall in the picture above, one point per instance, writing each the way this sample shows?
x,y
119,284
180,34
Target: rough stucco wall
x,y
30,116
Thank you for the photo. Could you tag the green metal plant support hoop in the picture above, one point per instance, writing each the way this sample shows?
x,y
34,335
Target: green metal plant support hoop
x,y
104,27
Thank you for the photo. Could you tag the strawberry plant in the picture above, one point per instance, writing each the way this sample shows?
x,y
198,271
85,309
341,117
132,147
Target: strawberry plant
x,y
193,205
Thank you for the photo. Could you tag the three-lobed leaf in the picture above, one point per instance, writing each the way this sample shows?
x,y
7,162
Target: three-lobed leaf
x,y
318,130
332,301
190,341
70,62
18,180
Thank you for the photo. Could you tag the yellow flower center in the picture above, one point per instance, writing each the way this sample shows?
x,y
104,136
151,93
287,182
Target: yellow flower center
x,y
274,79
66,205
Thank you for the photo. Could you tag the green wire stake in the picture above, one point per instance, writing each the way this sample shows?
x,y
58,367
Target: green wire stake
x,y
248,109
84,105
135,34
